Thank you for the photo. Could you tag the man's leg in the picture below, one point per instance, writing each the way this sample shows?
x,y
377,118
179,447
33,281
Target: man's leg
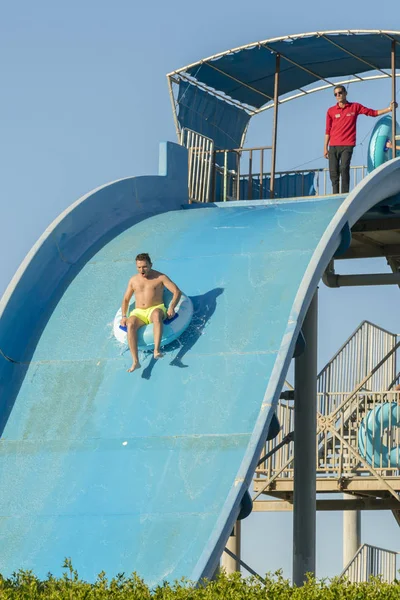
x,y
157,318
133,324
345,158
334,169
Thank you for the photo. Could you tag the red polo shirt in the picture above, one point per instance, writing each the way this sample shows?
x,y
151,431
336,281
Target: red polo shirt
x,y
341,122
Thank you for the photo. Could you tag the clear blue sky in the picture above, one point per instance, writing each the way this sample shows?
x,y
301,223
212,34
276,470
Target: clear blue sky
x,y
84,101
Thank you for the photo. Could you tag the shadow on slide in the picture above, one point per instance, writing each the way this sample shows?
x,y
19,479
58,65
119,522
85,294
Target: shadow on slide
x,y
204,307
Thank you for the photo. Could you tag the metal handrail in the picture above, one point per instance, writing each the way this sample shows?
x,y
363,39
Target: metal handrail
x,y
333,456
200,168
369,356
241,150
232,169
371,561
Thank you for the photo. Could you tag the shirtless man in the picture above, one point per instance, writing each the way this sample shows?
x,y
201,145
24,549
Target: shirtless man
x,y
148,287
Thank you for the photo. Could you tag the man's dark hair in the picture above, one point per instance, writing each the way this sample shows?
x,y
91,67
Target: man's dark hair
x,y
144,256
341,88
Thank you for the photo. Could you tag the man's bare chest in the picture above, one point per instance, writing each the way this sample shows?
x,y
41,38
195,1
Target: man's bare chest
x,y
148,287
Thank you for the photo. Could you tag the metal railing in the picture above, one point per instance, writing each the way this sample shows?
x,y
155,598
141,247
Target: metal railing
x,y
339,453
201,157
239,174
371,561
231,167
364,349
323,185
353,441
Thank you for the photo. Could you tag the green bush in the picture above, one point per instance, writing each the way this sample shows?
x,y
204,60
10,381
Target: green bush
x,y
24,585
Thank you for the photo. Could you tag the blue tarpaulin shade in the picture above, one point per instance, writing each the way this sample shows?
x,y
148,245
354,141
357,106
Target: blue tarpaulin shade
x,y
217,95
248,74
214,118
293,185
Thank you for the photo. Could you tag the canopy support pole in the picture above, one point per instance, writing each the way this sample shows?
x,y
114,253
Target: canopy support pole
x,y
171,96
275,125
393,61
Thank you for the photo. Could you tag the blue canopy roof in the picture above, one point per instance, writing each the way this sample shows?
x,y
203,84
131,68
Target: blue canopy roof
x,y
247,74
243,78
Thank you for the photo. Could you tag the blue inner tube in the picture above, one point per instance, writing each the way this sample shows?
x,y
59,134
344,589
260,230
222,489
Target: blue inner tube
x,y
370,444
172,329
378,153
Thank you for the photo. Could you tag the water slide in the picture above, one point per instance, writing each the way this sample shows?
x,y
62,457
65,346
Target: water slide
x,y
147,471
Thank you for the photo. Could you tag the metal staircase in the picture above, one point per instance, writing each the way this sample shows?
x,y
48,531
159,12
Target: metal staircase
x,y
359,378
371,561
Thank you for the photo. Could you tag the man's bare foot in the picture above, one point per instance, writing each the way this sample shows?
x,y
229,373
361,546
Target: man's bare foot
x,y
158,354
134,367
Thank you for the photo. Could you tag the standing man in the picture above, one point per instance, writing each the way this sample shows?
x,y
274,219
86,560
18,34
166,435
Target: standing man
x,y
148,287
340,136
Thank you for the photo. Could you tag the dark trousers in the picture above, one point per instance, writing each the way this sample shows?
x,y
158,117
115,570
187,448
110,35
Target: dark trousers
x,y
339,166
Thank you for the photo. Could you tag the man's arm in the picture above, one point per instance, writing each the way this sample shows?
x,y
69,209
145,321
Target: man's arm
x,y
125,302
370,112
173,288
326,145
389,109
327,133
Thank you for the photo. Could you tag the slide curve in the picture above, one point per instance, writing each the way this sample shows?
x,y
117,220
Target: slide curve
x,y
146,472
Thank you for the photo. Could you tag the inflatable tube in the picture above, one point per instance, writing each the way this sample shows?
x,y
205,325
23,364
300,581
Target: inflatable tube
x,y
370,444
172,329
378,153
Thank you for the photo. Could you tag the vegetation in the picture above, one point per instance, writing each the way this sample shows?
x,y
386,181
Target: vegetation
x,y
24,585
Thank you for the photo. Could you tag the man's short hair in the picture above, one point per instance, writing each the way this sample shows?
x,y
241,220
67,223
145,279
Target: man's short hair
x,y
144,256
340,87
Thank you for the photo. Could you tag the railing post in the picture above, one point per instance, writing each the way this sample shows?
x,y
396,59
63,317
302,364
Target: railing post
x,y
239,158
305,428
225,176
275,125
250,181
214,175
190,178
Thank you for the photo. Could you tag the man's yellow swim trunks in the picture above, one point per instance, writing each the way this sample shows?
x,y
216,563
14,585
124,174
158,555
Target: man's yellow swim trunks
x,y
144,314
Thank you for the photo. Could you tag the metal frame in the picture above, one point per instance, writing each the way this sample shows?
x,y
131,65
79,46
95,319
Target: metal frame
x,y
234,177
355,381
329,84
358,503
295,36
393,63
274,103
371,561
275,124
245,565
324,87
201,164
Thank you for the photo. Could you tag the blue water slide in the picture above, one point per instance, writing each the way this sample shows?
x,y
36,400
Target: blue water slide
x,y
147,471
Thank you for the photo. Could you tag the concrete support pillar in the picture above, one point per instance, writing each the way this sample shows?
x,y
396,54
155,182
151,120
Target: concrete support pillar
x,y
351,531
227,562
305,425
